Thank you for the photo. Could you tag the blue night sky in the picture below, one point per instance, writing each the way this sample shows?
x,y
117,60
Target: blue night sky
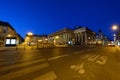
x,y
48,16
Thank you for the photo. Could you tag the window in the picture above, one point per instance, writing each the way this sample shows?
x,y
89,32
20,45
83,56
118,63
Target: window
x,y
7,41
10,41
13,41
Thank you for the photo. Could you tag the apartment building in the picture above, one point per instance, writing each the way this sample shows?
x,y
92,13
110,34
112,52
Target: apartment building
x,y
8,35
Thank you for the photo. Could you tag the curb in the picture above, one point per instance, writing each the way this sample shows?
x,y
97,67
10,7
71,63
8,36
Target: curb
x,y
118,47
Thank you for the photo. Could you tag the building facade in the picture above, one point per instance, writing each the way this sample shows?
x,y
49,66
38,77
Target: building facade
x,y
62,37
35,39
84,36
118,37
8,35
101,39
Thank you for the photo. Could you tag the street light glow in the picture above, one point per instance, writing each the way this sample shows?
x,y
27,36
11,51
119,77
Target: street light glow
x,y
114,34
30,33
115,27
46,39
57,37
40,40
9,35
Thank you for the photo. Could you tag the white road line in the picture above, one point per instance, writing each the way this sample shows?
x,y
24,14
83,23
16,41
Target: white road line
x,y
102,60
78,68
93,57
48,76
12,75
85,56
57,57
21,64
3,60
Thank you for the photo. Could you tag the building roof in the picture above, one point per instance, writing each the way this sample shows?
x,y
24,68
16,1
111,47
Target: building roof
x,y
38,35
84,29
6,24
64,30
22,39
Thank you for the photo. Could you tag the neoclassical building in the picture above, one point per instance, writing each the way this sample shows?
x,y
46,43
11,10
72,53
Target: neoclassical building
x,y
77,36
84,36
62,37
8,35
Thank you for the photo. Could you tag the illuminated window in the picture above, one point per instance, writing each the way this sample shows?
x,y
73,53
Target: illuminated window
x,y
7,41
13,41
10,41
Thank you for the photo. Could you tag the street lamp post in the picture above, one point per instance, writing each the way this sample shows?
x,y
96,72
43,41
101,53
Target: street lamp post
x,y
114,35
116,28
37,41
30,35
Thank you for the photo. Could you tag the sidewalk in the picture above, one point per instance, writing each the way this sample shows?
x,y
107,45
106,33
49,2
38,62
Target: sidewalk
x,y
118,47
2,48
7,48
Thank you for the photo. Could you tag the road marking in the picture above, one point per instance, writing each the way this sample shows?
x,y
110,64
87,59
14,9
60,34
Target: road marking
x,y
96,58
78,68
93,57
48,76
23,71
57,57
20,59
86,56
102,60
22,64
81,71
73,66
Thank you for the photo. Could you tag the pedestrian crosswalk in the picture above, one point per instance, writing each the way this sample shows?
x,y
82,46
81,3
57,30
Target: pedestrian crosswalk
x,y
29,66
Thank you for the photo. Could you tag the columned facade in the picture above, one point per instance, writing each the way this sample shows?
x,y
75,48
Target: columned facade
x,y
84,36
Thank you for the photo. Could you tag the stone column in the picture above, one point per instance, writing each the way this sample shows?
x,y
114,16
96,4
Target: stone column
x,y
86,41
82,38
75,37
78,38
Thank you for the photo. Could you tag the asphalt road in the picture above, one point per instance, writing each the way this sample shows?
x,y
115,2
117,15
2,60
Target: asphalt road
x,y
73,63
